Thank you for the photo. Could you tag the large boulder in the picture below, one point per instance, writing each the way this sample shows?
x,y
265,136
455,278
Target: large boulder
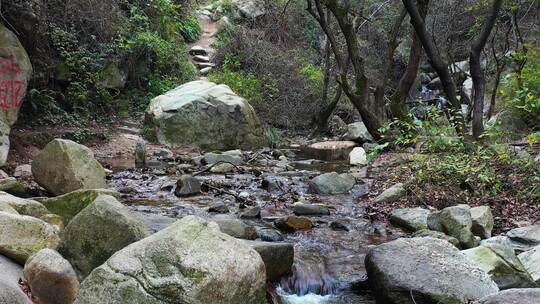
x,y
525,237
278,257
391,194
430,270
23,206
64,166
482,221
514,296
455,221
15,72
497,258
413,219
332,183
249,8
51,278
21,236
97,232
358,132
70,204
531,261
206,115
10,291
189,262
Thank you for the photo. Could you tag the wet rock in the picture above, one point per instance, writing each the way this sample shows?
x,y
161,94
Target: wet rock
x,y
51,278
234,157
70,204
97,232
331,150
235,227
24,206
140,153
10,291
222,168
358,132
187,186
525,237
293,223
531,261
12,186
455,221
482,221
338,226
219,207
310,209
23,236
277,257
431,270
514,296
498,260
23,171
332,183
413,219
164,153
196,262
206,115
64,166
358,157
251,213
391,194
268,234
437,235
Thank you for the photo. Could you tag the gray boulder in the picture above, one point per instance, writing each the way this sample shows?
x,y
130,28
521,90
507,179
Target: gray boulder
x,y
12,186
23,206
358,132
278,257
358,157
64,166
332,183
206,115
514,296
430,270
189,262
497,258
531,261
21,236
437,235
10,291
413,219
525,237
234,157
235,227
15,77
482,221
455,221
250,9
391,194
187,186
51,278
310,209
97,232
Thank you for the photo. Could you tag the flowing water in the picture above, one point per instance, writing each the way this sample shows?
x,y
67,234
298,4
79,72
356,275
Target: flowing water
x,y
329,259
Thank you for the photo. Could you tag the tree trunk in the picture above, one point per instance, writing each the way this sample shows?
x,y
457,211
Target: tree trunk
x,y
477,74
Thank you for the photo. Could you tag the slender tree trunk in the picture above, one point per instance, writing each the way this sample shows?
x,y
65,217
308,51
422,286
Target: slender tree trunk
x,y
477,73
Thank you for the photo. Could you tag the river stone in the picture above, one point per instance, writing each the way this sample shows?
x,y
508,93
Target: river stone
x,y
332,183
431,270
293,223
525,237
187,186
331,150
391,194
24,235
358,132
499,261
10,291
251,213
64,166
358,157
235,227
268,234
310,209
531,261
189,262
514,296
51,278
12,186
222,168
24,206
437,235
14,79
97,232
234,157
278,257
218,207
455,221
70,204
206,115
413,219
482,221
23,171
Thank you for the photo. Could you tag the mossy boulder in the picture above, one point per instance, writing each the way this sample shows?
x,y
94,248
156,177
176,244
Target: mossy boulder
x,y
206,115
70,204
97,232
189,262
24,206
10,290
455,221
64,166
332,183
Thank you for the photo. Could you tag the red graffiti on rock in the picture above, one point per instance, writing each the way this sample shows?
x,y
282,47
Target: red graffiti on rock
x,y
11,90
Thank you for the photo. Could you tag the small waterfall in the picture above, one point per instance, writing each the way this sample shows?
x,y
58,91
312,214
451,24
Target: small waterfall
x,y
310,278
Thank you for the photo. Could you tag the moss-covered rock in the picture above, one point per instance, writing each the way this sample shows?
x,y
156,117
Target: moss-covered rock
x,y
24,206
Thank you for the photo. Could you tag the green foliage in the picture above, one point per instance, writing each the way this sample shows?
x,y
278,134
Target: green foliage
x,y
190,28
274,136
378,149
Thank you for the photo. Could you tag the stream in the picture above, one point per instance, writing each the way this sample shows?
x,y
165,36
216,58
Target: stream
x,y
329,259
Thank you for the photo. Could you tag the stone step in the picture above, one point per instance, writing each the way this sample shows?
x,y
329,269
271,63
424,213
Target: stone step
x,y
203,65
205,71
198,50
201,58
